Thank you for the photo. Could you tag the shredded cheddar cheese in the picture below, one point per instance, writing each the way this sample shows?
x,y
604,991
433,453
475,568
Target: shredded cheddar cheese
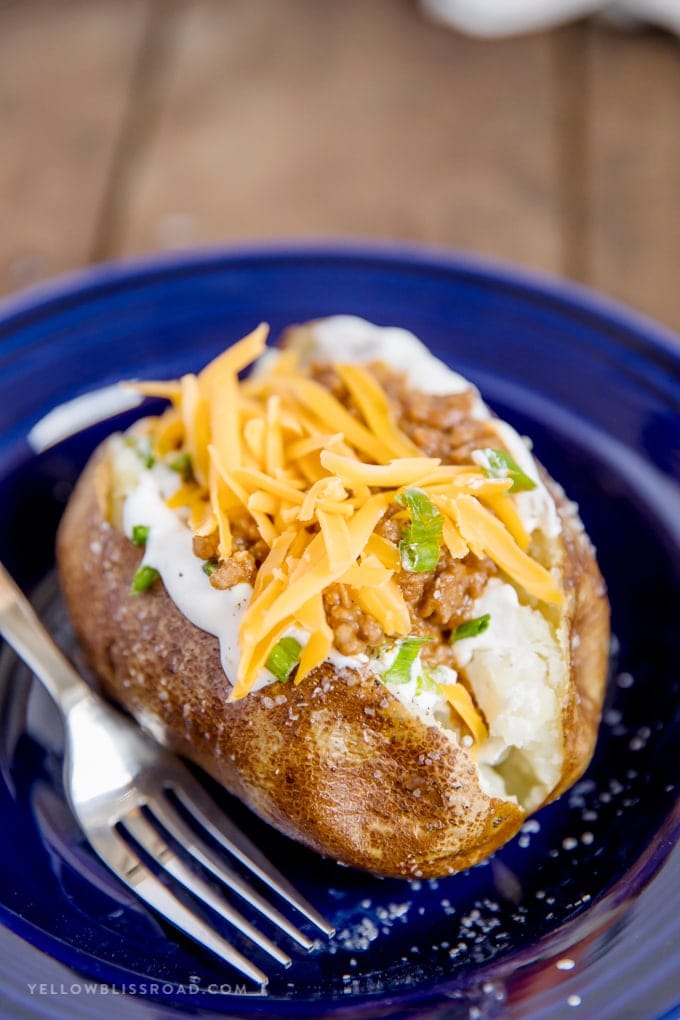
x,y
461,701
316,480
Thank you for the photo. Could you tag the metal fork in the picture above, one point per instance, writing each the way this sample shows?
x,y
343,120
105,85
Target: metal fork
x,y
123,787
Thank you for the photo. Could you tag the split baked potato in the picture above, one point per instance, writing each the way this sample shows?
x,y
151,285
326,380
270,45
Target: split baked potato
x,y
349,593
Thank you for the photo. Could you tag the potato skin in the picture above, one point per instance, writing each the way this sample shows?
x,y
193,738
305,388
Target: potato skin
x,y
338,762
588,614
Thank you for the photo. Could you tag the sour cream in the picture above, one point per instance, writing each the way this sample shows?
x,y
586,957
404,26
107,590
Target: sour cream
x,y
351,339
535,507
169,550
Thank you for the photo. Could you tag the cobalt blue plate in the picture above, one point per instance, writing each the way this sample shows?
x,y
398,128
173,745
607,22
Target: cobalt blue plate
x,y
577,914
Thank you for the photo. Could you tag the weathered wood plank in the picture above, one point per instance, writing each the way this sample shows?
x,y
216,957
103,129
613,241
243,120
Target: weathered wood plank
x,y
65,71
570,79
299,118
633,240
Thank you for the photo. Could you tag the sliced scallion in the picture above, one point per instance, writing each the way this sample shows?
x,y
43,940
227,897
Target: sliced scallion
x,y
420,543
400,670
283,658
142,447
471,628
427,682
209,567
183,465
502,465
143,579
140,533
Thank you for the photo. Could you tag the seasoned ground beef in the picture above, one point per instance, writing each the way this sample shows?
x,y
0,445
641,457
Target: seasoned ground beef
x,y
249,552
440,425
438,600
354,630
205,547
240,568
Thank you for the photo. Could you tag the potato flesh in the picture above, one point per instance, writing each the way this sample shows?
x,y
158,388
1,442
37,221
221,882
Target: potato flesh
x,y
518,676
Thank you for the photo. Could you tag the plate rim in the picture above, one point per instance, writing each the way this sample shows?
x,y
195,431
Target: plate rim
x,y
39,296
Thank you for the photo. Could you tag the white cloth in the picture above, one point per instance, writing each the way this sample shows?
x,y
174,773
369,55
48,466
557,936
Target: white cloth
x,y
489,18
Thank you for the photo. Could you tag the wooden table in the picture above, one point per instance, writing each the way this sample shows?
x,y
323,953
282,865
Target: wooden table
x,y
128,126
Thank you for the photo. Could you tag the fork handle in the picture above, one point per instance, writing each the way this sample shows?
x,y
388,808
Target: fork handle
x,y
22,629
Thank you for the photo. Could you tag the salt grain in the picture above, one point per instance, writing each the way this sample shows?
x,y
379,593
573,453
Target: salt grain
x,y
565,964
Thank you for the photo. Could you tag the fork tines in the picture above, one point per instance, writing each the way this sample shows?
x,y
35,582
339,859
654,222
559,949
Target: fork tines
x,y
155,827
142,810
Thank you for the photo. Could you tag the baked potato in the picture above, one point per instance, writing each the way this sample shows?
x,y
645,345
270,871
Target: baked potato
x,y
348,592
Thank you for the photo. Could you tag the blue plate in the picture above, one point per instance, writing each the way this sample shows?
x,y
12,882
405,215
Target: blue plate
x,y
578,911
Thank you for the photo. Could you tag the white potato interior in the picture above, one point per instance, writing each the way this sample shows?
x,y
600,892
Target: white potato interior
x,y
518,675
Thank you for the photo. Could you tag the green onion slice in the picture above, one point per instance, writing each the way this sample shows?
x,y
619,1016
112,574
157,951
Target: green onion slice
x,y
502,465
400,670
471,628
209,567
142,447
427,682
283,658
143,579
140,533
419,545
183,465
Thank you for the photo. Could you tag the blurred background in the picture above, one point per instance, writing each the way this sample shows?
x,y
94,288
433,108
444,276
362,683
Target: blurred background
x,y
135,126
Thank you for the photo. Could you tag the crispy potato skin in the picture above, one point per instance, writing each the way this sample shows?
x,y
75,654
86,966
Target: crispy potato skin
x,y
340,764
589,630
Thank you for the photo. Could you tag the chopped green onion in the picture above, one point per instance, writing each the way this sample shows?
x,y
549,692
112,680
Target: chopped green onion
x,y
143,579
209,567
426,682
502,465
183,465
471,628
140,533
419,545
283,658
400,670
142,448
